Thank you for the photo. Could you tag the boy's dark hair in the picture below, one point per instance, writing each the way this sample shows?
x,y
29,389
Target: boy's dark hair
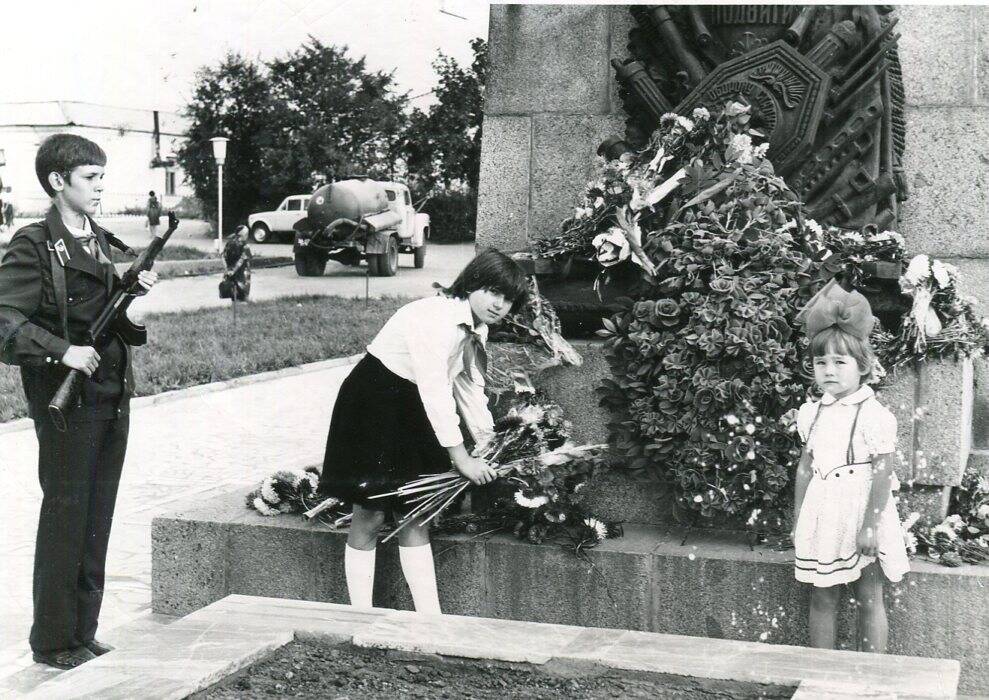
x,y
491,269
151,193
62,153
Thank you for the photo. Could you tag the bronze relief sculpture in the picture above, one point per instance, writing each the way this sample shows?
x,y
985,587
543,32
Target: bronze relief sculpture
x,y
824,83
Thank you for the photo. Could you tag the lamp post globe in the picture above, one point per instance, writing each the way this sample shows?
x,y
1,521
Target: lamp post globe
x,y
219,155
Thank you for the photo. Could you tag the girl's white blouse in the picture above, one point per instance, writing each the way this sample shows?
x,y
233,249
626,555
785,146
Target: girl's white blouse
x,y
424,343
875,430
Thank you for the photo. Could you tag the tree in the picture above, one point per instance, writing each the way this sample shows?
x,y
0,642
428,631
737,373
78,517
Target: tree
x,y
443,144
314,114
331,117
232,100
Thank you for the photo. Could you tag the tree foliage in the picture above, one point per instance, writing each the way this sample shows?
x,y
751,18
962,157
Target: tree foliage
x,y
292,122
443,143
233,100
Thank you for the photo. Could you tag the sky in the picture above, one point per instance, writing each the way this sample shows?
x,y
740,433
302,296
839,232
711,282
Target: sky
x,y
145,53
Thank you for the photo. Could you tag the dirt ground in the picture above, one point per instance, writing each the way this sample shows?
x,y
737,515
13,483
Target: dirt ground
x,y
313,669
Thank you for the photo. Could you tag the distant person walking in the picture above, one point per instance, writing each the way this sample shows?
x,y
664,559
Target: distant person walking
x,y
154,213
8,215
3,218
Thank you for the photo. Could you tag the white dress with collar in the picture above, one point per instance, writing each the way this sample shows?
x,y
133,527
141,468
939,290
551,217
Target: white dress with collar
x,y
843,435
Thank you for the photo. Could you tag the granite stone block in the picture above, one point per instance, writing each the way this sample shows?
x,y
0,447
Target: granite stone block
x,y
947,167
573,388
980,18
547,583
945,429
548,58
898,393
621,23
931,502
937,52
331,580
188,564
619,497
270,560
563,152
503,202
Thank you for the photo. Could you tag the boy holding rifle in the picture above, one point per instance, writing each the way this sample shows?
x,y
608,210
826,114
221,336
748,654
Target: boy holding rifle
x,y
55,280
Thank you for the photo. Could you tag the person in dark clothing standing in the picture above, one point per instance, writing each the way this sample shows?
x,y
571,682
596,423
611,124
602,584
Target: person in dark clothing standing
x,y
236,282
55,278
154,213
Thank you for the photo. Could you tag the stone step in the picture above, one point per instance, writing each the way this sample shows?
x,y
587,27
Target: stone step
x,y
656,578
223,638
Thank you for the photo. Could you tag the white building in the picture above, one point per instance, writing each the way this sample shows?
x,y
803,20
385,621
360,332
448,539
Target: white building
x,y
140,146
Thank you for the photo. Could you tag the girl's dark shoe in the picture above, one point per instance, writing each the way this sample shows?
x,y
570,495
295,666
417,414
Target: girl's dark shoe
x,y
98,648
64,659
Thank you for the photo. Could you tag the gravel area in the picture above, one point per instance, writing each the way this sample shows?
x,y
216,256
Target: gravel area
x,y
316,669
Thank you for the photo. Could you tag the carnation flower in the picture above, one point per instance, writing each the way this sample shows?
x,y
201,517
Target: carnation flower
x,y
942,273
701,113
600,529
685,124
740,148
612,247
268,492
526,502
918,271
983,512
761,150
814,226
955,522
263,508
945,530
531,414
853,236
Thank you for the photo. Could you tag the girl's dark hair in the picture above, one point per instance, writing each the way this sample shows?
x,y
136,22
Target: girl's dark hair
x,y
833,340
62,153
491,269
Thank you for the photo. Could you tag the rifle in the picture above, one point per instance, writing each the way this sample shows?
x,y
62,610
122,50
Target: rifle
x,y
113,318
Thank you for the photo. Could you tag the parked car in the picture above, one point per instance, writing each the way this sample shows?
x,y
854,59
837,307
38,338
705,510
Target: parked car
x,y
357,219
268,225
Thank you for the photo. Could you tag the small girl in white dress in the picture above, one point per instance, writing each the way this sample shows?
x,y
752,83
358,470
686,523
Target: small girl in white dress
x,y
847,528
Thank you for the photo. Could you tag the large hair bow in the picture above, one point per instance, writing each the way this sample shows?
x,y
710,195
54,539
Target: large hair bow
x,y
833,306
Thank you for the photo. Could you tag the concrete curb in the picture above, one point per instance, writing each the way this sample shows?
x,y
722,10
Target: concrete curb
x,y
172,269
201,389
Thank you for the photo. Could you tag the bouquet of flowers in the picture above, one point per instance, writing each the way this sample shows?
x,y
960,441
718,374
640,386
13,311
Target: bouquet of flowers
x,y
294,491
961,538
941,322
531,453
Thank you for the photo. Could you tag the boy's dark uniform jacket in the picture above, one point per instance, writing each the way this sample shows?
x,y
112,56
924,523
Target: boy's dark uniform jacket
x,y
31,332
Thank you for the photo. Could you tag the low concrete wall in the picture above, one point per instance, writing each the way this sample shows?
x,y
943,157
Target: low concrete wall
x,y
659,579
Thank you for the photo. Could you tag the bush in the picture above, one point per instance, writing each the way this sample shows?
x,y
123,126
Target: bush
x,y
453,216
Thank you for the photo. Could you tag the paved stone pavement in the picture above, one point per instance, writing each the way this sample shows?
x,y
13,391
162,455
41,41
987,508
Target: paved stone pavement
x,y
180,450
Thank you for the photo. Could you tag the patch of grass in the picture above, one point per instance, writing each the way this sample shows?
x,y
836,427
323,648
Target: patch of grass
x,y
199,347
169,252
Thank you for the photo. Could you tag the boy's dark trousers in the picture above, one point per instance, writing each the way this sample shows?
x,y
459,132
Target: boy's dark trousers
x,y
79,471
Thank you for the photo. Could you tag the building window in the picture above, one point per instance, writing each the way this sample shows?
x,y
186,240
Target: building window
x,y
169,182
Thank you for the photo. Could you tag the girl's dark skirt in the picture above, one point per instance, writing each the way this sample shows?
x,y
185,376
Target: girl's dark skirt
x,y
380,438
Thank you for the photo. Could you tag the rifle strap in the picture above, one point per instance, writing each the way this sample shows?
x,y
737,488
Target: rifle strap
x,y
61,293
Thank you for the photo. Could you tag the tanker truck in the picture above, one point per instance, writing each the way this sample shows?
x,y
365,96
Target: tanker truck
x,y
356,219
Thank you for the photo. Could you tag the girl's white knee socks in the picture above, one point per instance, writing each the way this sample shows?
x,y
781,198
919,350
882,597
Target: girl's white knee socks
x,y
417,565
359,567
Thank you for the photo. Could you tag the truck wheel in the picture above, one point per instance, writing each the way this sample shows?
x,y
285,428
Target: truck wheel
x,y
308,264
387,262
260,233
419,257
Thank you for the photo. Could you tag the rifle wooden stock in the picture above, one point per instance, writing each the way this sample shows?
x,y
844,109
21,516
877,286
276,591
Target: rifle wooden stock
x,y
113,317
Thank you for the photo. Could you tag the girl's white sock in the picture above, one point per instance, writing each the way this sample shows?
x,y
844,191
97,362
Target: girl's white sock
x,y
420,574
359,567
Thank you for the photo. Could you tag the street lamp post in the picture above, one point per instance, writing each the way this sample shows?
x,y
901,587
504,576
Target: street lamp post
x,y
219,155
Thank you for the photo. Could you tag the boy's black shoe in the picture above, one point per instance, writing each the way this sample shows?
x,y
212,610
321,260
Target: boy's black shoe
x,y
64,659
98,648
